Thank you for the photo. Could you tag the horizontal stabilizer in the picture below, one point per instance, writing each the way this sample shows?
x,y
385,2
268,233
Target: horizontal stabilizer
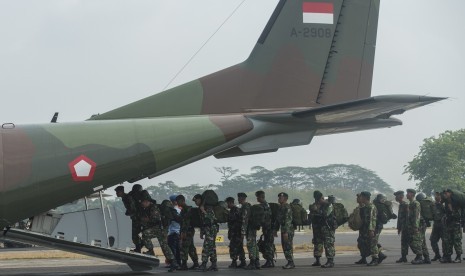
x,y
236,152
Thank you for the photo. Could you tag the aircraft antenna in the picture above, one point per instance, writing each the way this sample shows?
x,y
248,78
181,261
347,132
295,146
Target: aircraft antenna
x,y
203,45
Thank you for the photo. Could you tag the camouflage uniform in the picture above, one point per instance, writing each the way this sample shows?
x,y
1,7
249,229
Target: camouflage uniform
x,y
413,228
249,232
132,203
452,231
403,228
438,227
323,226
152,228
284,221
208,230
187,232
368,245
236,243
268,235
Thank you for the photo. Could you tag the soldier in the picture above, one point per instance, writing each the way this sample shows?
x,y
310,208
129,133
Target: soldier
x,y
414,227
267,229
131,211
363,259
208,232
284,222
152,228
324,227
438,228
174,230
249,232
379,227
369,243
424,223
402,228
452,230
236,242
187,233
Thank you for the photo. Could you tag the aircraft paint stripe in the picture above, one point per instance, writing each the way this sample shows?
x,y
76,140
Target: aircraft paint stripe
x,y
317,7
318,18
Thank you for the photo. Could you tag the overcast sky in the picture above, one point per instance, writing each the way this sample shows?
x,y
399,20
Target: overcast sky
x,y
86,57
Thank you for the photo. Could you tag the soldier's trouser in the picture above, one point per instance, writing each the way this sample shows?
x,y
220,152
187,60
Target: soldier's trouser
x,y
415,242
236,247
173,243
360,246
251,238
404,243
209,243
188,247
437,234
424,247
136,229
268,237
369,244
288,245
323,237
156,232
452,239
378,233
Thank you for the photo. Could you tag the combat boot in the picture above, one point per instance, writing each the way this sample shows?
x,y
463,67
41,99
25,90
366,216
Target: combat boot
x,y
257,263
363,260
426,260
233,264
173,266
402,259
374,262
317,262
437,257
268,264
458,259
243,264
381,257
183,265
289,265
418,260
137,249
329,263
251,265
445,259
213,267
195,265
202,267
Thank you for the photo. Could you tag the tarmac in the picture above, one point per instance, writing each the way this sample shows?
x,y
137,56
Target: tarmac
x,y
344,264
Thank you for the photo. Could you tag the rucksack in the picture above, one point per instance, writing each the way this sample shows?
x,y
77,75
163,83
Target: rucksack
x,y
195,217
384,210
427,212
458,198
274,211
340,213
210,198
257,215
168,213
221,213
299,214
355,220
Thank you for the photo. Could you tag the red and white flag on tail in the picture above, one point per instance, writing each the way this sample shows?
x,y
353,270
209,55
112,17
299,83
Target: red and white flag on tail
x,y
318,12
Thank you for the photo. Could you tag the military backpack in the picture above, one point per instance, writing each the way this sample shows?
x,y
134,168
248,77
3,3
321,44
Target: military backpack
x,y
210,198
458,199
195,217
340,213
384,210
221,212
355,220
427,212
257,215
299,214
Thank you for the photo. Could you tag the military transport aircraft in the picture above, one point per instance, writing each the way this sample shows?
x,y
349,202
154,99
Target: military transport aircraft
x,y
309,74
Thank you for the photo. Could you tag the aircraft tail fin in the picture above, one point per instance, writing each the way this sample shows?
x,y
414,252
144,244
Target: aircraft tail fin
x,y
311,53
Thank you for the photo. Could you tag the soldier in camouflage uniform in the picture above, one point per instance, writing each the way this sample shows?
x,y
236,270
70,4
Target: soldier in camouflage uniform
x,y
323,225
414,227
379,227
131,211
150,217
438,227
268,231
424,224
452,230
187,233
208,233
363,259
402,228
236,242
368,242
136,227
284,222
249,232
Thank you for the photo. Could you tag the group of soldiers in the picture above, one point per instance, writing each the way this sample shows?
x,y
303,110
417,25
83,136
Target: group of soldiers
x,y
243,223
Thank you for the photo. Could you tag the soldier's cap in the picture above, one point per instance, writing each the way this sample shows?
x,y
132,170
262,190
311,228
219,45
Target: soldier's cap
x,y
229,199
173,197
197,196
448,190
241,195
283,194
411,191
259,193
137,188
380,197
365,194
119,189
180,197
317,195
399,193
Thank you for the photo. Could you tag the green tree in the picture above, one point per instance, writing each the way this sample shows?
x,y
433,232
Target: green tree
x,y
440,163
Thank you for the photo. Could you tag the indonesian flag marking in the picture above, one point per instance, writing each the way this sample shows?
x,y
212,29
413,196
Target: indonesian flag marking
x,y
318,12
